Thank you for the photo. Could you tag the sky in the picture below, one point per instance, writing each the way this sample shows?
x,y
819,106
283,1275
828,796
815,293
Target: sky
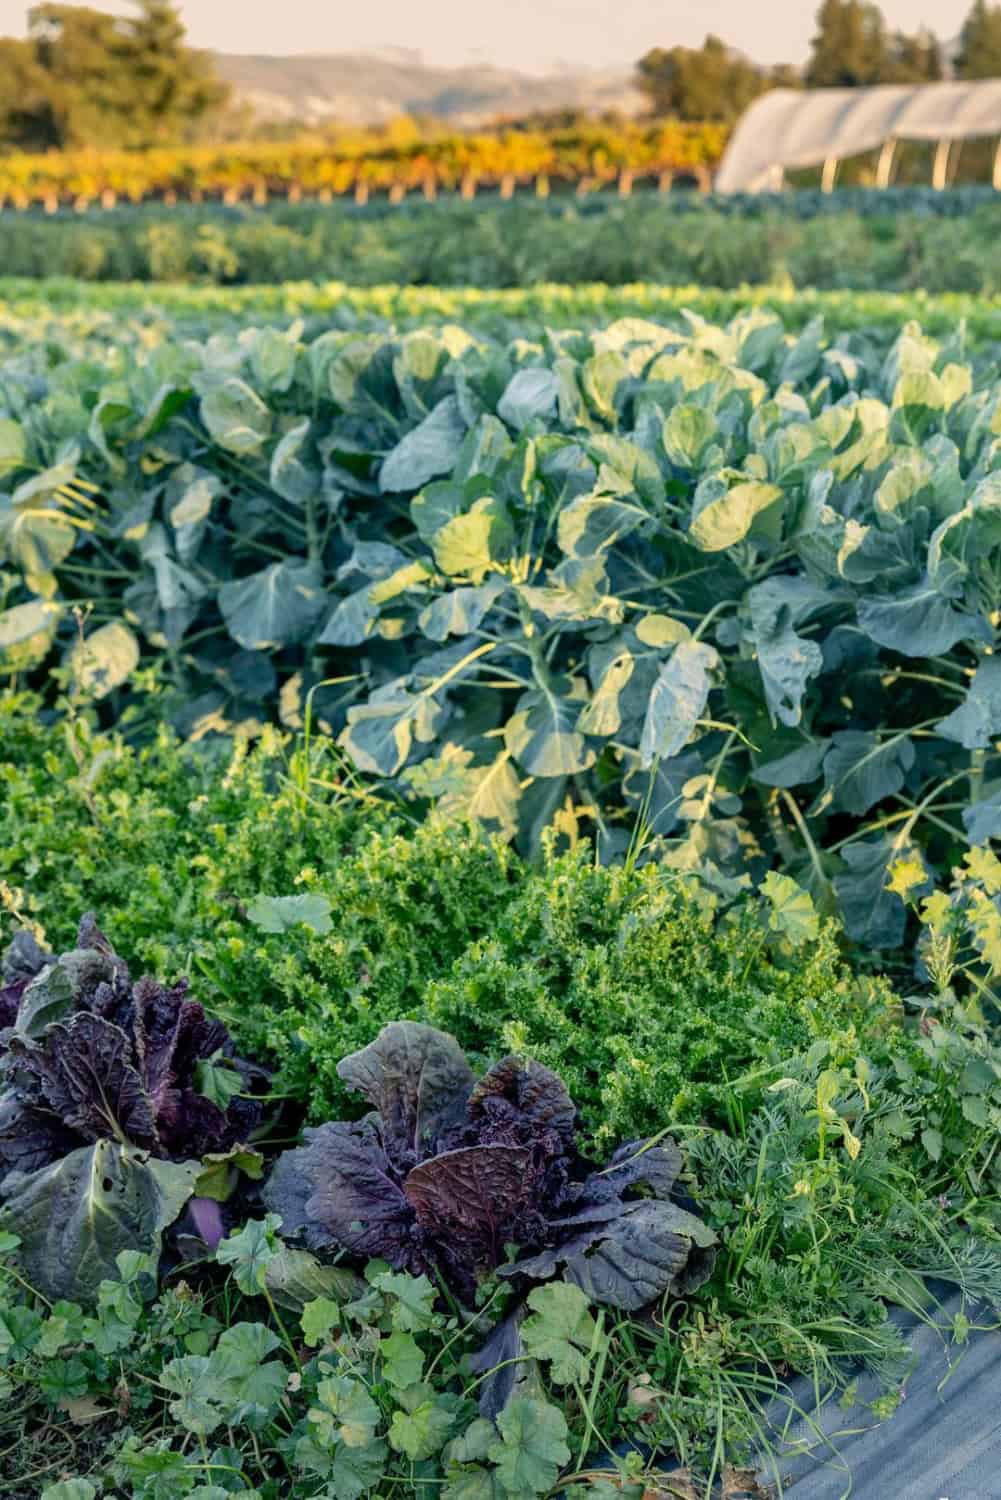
x,y
532,35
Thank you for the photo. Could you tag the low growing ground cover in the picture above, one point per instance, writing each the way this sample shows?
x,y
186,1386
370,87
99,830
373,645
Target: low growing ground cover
x,y
838,1140
523,242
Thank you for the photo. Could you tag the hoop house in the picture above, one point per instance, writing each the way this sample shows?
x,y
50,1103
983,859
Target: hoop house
x,y
790,128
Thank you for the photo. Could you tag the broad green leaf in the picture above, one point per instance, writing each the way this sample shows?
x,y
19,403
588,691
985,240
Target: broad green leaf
x,y
793,913
797,768
48,998
873,915
577,589
282,913
295,1278
749,508
13,446
248,1385
235,416
276,607
293,476
37,540
273,357
459,611
428,450
75,1216
533,1447
105,659
860,769
660,630
529,394
191,496
602,716
221,1171
976,723
918,621
380,733
70,1489
218,1083
26,634
542,733
196,1406
354,1471
687,433
677,702
472,1482
593,523
470,543
413,1300
787,662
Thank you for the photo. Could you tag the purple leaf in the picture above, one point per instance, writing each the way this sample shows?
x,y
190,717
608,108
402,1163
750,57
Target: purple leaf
x,y
418,1080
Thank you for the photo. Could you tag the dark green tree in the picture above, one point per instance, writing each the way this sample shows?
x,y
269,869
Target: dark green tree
x,y
26,121
913,59
707,83
75,47
110,81
979,54
850,48
173,87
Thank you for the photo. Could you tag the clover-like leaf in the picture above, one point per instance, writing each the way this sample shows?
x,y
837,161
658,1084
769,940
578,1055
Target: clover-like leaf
x,y
533,1447
561,1330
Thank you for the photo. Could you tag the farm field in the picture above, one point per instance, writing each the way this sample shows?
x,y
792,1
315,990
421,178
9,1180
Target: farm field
x,y
557,713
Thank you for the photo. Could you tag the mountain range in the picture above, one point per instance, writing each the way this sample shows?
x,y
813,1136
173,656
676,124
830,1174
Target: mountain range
x,y
371,88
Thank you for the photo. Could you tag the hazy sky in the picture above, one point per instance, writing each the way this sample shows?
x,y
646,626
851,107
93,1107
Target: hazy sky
x,y
533,35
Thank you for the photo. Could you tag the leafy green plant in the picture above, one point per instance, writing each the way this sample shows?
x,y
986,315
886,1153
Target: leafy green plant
x,y
599,577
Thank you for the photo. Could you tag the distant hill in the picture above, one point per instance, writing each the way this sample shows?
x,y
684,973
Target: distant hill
x,y
370,88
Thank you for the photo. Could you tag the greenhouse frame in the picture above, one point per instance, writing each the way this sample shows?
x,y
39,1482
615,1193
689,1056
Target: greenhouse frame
x,y
787,129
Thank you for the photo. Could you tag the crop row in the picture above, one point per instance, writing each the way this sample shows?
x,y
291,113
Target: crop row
x,y
363,163
512,244
113,316
738,584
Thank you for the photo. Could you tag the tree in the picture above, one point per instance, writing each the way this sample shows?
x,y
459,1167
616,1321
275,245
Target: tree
x,y
707,83
173,86
108,81
979,54
850,47
913,59
74,46
26,121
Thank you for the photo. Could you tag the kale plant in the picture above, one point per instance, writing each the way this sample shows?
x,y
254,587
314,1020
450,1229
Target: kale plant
x,y
121,1105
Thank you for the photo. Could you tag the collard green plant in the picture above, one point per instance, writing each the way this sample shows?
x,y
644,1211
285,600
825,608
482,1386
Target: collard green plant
x,y
738,587
121,1106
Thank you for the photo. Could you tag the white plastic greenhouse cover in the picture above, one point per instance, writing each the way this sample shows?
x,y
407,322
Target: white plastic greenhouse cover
x,y
801,128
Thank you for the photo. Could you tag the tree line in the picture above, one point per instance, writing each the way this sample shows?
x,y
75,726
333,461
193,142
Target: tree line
x,y
83,78
853,47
